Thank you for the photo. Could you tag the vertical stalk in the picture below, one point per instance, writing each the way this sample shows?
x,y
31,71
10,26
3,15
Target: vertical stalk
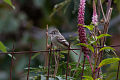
x,y
94,73
96,53
29,62
118,71
47,47
56,63
78,62
12,62
89,62
49,63
98,9
68,60
83,66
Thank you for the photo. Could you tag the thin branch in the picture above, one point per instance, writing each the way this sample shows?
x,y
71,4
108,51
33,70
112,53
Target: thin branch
x,y
55,71
89,62
109,14
118,71
83,67
102,11
67,61
29,62
98,9
57,50
12,62
78,62
108,6
47,48
49,62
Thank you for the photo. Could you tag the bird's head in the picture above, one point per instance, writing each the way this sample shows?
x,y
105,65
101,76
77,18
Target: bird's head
x,y
53,32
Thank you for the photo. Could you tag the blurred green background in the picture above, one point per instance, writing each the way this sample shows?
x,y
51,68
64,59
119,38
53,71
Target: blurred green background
x,y
27,24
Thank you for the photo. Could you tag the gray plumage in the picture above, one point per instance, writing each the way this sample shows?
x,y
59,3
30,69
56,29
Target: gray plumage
x,y
57,39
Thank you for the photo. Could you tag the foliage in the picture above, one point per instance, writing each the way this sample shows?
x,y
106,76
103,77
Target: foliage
x,y
104,48
4,49
10,3
88,46
25,24
108,61
102,35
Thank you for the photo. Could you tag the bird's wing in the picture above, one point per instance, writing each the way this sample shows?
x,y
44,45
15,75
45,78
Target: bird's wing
x,y
62,40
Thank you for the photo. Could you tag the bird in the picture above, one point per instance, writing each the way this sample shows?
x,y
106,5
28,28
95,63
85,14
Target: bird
x,y
58,39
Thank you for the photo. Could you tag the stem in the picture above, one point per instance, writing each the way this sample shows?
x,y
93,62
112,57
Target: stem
x,y
102,10
83,66
56,63
96,53
49,62
67,61
95,66
108,6
98,9
46,54
29,62
89,62
11,63
118,71
78,61
69,70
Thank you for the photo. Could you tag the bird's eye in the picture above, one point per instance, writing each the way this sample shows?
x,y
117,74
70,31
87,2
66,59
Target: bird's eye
x,y
53,32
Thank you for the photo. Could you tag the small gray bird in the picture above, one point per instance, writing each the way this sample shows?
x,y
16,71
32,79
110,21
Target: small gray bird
x,y
58,40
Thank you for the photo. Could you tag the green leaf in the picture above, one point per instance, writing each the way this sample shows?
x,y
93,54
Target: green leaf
x,y
90,27
62,56
98,79
59,6
91,48
108,61
104,48
35,55
10,3
4,49
87,78
65,51
88,46
102,35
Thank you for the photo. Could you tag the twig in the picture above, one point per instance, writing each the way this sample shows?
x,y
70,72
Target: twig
x,y
83,66
69,70
67,61
57,50
78,62
118,71
27,52
106,25
102,10
29,62
98,9
108,6
12,62
49,62
55,71
47,47
89,62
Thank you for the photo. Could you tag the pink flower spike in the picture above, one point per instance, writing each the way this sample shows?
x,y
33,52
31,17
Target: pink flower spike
x,y
82,32
95,16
